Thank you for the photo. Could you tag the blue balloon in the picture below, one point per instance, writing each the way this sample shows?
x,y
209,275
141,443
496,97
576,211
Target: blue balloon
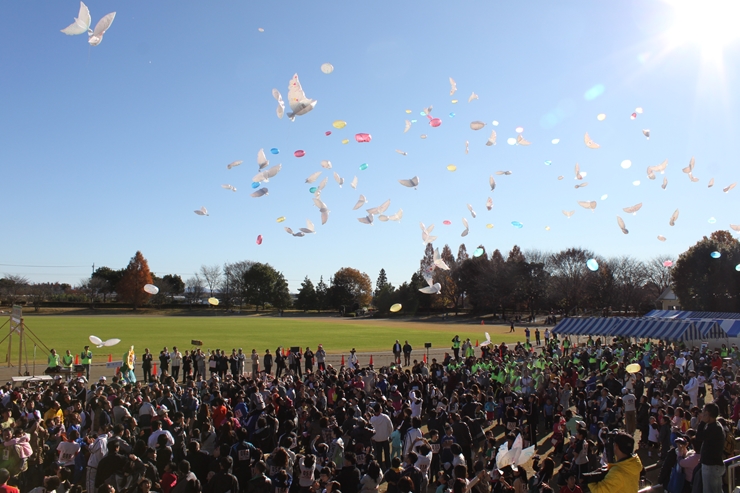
x,y
478,252
312,189
737,267
255,184
592,265
517,224
275,150
452,115
716,255
548,163
413,121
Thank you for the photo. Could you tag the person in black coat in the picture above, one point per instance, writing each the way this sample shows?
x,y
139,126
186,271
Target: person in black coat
x,y
222,480
349,475
414,473
146,365
267,362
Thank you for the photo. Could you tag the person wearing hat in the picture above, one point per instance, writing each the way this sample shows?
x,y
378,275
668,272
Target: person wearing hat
x,y
86,360
623,476
352,361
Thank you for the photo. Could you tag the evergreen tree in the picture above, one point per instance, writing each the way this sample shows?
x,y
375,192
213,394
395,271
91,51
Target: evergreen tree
x,y
307,297
130,288
381,283
322,294
427,262
705,283
462,254
259,284
280,298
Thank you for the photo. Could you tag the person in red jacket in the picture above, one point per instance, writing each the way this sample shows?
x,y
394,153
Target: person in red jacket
x,y
4,488
571,486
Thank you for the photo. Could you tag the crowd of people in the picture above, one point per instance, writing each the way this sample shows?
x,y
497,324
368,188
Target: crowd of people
x,y
286,422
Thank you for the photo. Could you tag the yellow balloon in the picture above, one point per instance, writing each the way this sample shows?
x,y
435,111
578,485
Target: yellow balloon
x,y
601,117
213,301
345,141
408,111
396,308
454,101
281,219
339,124
451,167
489,226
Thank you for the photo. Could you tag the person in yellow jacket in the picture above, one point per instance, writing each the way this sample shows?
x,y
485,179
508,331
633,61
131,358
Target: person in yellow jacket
x,y
54,361
623,476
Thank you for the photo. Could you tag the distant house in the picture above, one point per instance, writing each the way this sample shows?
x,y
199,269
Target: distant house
x,y
668,300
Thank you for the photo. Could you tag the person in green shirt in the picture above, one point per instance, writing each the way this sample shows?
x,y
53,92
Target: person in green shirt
x,y
456,346
53,362
86,360
67,361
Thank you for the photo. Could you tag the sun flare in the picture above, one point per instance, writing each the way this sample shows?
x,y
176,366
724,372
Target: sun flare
x,y
710,24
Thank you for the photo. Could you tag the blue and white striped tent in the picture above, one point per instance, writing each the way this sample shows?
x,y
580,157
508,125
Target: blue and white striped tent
x,y
687,315
666,314
587,326
658,328
654,328
728,322
731,327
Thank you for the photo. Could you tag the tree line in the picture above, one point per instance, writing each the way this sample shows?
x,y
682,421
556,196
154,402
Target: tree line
x,y
705,277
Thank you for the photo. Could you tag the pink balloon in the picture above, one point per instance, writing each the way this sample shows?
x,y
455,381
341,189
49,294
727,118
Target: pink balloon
x,y
299,153
363,137
328,133
435,122
446,222
668,263
259,239
633,116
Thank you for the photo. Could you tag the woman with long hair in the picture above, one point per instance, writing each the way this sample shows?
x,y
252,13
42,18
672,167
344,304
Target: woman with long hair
x,y
370,481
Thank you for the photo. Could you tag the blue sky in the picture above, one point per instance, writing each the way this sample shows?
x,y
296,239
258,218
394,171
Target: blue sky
x,y
108,150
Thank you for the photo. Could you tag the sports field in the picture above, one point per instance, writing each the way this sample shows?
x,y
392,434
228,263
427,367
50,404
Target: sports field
x,y
338,335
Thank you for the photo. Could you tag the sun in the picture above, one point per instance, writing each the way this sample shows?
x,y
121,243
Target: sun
x,y
710,24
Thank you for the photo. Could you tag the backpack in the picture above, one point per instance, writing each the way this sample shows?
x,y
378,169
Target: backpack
x,y
729,448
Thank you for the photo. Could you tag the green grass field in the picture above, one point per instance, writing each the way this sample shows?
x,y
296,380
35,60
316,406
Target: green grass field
x,y
338,335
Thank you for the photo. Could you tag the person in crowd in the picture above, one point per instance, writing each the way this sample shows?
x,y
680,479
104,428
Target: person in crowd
x,y
624,474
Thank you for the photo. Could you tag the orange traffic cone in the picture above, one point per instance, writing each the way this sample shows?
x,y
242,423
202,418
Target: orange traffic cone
x,y
342,360
371,360
110,358
154,369
476,343
77,359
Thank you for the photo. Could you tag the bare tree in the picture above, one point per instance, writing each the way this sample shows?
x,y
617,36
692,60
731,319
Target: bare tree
x,y
13,286
211,275
658,276
630,276
194,289
568,277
